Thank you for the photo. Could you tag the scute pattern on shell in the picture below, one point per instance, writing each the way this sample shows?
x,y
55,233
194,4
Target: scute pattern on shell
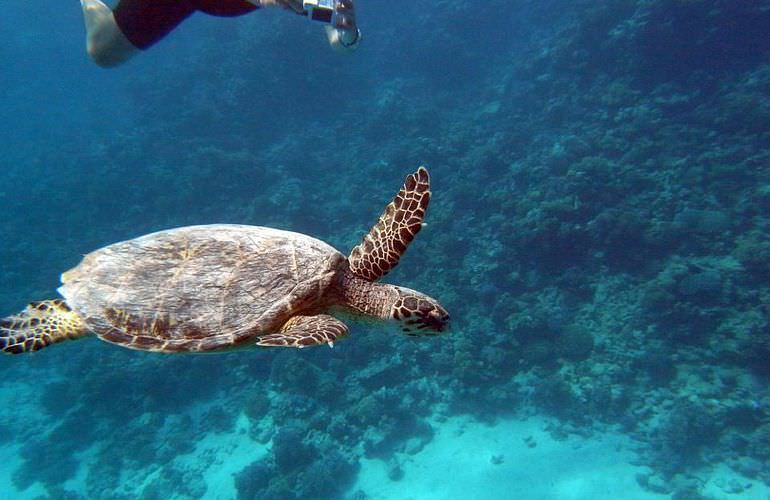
x,y
200,288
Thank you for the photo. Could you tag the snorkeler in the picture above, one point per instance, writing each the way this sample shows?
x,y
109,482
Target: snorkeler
x,y
114,36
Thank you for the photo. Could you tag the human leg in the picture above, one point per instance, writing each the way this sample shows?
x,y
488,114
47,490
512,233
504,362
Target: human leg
x,y
115,36
105,42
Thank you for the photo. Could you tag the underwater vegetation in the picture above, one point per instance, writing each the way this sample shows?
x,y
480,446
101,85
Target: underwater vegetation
x,y
599,231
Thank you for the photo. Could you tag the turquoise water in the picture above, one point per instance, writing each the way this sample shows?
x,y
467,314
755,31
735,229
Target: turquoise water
x,y
599,232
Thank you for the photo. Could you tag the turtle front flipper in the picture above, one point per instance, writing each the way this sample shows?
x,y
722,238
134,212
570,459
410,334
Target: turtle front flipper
x,y
402,219
39,325
305,331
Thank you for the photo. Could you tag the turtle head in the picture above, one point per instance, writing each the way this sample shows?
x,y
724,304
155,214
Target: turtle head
x,y
417,314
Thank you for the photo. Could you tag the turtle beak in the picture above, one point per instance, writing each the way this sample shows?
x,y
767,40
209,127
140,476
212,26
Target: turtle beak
x,y
438,320
419,314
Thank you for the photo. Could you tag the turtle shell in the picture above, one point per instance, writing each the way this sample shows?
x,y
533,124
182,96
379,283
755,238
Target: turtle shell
x,y
200,288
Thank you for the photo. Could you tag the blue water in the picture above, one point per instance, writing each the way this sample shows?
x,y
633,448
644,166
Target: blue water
x,y
599,232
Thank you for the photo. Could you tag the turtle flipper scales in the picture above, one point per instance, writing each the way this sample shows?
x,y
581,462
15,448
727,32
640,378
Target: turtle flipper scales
x,y
381,249
305,331
40,325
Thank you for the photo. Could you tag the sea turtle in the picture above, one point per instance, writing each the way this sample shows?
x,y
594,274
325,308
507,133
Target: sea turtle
x,y
223,286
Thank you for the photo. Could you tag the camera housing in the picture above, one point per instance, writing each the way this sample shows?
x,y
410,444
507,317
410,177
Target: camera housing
x,y
321,10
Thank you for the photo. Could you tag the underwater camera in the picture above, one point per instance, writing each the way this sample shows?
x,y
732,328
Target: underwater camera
x,y
321,10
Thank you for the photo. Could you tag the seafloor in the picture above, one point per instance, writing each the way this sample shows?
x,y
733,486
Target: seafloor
x,y
600,232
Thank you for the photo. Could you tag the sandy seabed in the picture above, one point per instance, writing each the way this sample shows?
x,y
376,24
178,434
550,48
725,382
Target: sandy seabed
x,y
516,458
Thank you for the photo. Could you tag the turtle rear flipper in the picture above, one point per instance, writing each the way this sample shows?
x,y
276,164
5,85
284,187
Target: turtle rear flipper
x,y
39,325
402,219
305,331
